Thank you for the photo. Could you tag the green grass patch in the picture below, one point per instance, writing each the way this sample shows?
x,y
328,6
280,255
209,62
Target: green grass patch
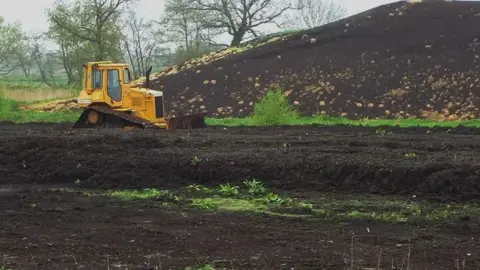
x,y
328,208
145,194
324,207
332,121
9,111
386,209
229,204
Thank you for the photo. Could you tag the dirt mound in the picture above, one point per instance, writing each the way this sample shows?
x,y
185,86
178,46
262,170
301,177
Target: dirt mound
x,y
398,60
290,158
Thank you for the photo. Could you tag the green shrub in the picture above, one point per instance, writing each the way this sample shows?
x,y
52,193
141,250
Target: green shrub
x,y
274,109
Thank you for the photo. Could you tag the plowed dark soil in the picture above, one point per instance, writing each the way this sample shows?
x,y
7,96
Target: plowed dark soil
x,y
418,161
46,230
397,60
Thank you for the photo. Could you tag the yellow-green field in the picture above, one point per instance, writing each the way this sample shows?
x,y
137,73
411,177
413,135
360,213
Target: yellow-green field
x,y
33,89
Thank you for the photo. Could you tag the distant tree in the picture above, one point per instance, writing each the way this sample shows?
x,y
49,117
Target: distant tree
x,y
13,46
238,17
25,57
44,61
86,30
313,13
91,21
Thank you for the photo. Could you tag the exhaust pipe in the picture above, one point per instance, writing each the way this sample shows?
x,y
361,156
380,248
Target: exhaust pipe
x,y
147,77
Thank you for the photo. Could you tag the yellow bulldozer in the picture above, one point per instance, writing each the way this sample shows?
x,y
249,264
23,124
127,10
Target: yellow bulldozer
x,y
109,99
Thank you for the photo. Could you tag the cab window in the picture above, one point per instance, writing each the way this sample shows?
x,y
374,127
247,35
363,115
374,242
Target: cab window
x,y
114,88
97,79
126,75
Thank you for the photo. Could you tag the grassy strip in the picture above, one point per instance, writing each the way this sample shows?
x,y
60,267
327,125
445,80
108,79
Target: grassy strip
x,y
9,112
253,197
330,121
328,207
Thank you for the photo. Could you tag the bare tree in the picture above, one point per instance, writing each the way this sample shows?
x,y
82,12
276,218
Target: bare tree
x,y
25,58
185,25
141,41
39,57
313,13
238,17
181,22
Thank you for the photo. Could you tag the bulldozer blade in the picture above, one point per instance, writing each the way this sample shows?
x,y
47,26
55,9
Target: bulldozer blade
x,y
192,121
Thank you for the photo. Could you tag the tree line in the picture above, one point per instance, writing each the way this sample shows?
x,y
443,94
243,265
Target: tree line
x,y
95,30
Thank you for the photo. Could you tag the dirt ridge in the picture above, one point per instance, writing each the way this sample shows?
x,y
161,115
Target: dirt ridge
x,y
289,158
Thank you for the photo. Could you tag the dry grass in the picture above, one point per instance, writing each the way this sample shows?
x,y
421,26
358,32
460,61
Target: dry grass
x,y
27,95
434,116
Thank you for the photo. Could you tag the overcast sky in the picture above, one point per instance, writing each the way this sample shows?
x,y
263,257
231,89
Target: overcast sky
x,y
31,13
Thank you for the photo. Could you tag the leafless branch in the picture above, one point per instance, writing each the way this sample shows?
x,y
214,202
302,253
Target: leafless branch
x,y
238,17
313,13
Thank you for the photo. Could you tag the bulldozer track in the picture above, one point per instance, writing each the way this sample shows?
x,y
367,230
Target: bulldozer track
x,y
119,119
114,119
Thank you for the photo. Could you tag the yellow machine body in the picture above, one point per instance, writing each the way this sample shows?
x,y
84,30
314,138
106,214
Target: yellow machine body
x,y
109,99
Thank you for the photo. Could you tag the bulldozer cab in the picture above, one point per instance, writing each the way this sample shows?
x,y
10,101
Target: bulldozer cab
x,y
107,81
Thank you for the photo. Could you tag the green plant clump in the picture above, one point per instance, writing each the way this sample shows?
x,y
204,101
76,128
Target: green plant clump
x,y
274,109
255,187
229,190
145,194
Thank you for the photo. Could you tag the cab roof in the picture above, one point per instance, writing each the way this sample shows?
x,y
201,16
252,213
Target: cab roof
x,y
106,64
